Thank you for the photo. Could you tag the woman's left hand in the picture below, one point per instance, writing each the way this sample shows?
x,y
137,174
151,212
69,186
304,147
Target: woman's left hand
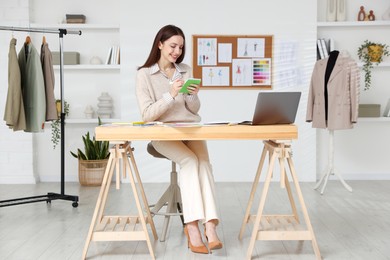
x,y
193,89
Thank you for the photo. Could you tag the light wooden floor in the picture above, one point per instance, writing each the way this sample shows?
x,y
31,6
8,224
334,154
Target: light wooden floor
x,y
347,225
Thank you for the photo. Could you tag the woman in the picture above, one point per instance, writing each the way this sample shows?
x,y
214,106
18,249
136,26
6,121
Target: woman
x,y
157,87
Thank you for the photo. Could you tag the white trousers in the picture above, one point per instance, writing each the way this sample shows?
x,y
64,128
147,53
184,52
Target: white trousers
x,y
196,179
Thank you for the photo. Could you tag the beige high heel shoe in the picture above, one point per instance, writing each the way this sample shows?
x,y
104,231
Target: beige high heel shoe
x,y
196,249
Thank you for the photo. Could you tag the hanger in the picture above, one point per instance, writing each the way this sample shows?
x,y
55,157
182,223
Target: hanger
x,y
44,39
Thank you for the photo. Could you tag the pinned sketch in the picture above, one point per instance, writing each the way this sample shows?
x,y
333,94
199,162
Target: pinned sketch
x,y
215,76
250,47
242,72
261,71
207,51
225,52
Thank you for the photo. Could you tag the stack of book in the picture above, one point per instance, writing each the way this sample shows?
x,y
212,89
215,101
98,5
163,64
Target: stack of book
x,y
75,18
113,56
324,47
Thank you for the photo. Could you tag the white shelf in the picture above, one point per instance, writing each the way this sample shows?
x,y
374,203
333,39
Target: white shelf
x,y
91,120
373,119
80,26
353,24
382,64
88,67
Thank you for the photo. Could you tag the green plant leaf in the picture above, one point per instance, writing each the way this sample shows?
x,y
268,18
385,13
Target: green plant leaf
x,y
93,149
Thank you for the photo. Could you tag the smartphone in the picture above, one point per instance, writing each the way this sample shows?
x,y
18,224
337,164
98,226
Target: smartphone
x,y
184,88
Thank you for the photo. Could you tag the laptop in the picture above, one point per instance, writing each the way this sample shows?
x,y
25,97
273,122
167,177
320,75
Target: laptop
x,y
275,108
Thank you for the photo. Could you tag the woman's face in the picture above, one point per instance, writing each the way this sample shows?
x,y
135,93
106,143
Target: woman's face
x,y
172,48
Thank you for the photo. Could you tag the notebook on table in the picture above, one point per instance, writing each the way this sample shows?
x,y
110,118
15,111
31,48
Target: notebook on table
x,y
275,108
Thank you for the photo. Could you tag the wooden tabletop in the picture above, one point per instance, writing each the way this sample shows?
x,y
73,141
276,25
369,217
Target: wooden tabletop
x,y
122,132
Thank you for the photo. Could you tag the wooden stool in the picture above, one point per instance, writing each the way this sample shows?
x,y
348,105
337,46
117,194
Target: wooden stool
x,y
277,227
121,228
171,197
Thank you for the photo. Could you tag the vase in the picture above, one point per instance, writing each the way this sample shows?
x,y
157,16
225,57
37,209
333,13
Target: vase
x,y
340,9
88,112
375,52
105,106
58,108
331,10
386,15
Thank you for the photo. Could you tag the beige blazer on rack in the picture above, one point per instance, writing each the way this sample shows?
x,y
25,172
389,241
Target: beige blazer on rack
x,y
343,95
14,115
48,76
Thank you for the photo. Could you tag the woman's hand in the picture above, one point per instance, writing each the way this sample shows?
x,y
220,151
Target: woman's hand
x,y
193,89
175,87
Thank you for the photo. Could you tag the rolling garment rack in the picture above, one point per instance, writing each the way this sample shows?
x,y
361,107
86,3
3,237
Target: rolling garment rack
x,y
50,195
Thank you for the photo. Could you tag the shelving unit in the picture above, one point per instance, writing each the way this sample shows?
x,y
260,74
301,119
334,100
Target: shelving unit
x,y
84,82
349,35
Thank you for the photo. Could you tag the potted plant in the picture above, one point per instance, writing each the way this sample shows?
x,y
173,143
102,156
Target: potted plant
x,y
56,124
92,161
370,52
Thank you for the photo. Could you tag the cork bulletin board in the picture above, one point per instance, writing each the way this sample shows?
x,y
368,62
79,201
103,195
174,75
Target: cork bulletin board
x,y
233,61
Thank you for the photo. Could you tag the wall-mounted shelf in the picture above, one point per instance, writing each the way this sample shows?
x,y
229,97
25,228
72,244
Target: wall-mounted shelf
x,y
382,64
81,26
90,121
353,23
373,119
89,67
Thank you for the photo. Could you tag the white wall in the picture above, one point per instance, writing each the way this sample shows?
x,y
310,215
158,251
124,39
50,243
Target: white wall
x,y
293,27
232,160
16,149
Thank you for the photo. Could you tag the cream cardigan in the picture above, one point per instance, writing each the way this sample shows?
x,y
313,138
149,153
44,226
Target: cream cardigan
x,y
155,102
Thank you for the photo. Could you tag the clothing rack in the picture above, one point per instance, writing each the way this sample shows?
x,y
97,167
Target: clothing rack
x,y
51,195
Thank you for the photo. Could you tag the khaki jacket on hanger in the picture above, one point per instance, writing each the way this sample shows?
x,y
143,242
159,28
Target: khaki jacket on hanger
x,y
14,115
33,88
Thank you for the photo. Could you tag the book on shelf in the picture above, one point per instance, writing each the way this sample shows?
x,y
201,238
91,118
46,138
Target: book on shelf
x,y
108,59
320,50
113,56
324,47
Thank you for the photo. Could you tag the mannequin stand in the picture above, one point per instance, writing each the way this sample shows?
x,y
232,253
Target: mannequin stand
x,y
330,170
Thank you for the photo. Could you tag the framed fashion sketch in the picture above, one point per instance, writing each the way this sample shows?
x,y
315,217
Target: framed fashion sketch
x,y
233,61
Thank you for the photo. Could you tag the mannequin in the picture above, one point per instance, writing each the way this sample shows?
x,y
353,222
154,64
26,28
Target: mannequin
x,y
327,92
329,68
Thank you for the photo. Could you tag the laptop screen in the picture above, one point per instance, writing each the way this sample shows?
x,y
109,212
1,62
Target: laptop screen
x,y
276,108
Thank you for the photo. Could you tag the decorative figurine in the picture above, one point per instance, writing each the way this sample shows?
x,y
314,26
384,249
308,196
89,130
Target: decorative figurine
x,y
371,16
105,106
361,14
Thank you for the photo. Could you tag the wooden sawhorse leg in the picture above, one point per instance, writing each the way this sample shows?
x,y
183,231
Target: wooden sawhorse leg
x,y
121,228
277,227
